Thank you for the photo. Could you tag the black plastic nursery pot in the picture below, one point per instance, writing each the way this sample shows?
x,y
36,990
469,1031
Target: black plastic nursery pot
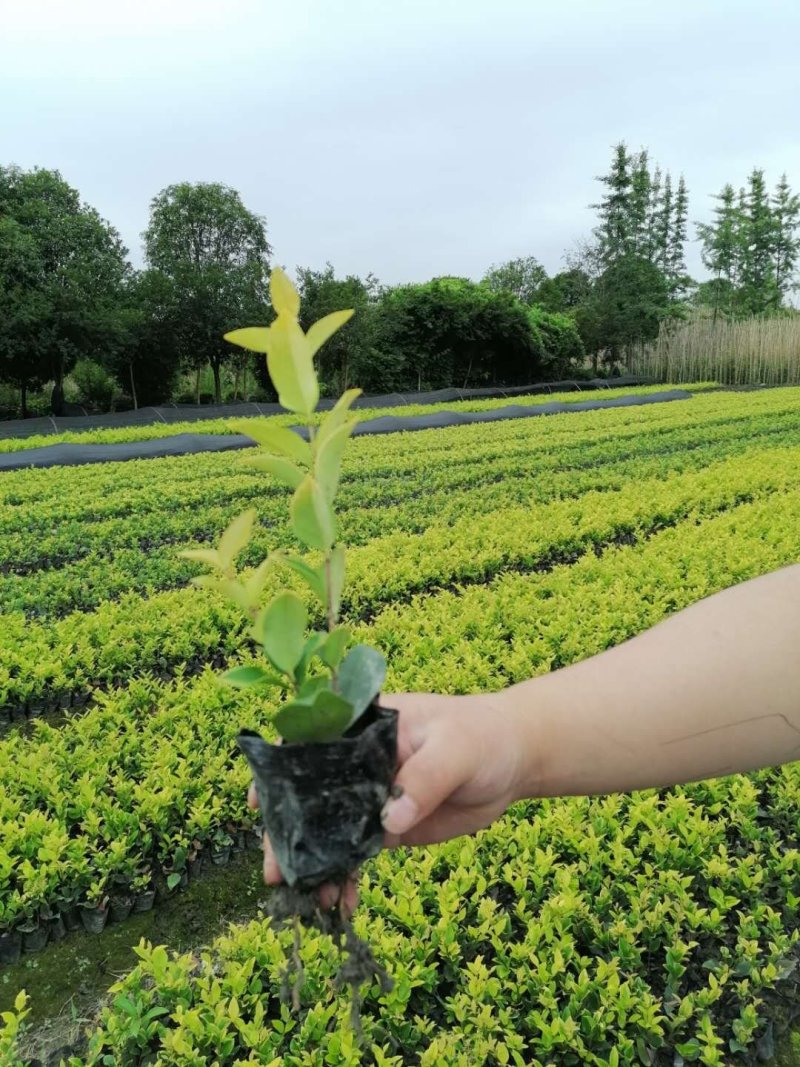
x,y
321,802
10,946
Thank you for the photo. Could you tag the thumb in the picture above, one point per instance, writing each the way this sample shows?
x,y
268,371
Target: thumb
x,y
425,781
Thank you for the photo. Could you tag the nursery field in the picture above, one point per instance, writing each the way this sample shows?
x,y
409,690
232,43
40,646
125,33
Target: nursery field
x,y
655,928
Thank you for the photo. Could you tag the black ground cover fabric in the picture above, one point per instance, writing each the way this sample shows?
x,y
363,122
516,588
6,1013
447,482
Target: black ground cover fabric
x,y
197,413
180,444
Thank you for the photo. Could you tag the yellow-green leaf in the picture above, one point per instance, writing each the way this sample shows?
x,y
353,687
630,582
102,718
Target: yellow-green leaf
x,y
323,329
257,580
275,438
328,465
236,592
253,338
209,556
336,416
284,631
335,646
314,577
285,298
236,537
323,720
291,367
249,678
335,575
312,516
279,467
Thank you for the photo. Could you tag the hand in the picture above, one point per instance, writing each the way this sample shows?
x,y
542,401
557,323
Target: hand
x,y
460,761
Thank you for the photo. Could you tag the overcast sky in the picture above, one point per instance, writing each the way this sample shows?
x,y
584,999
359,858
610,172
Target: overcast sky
x,y
406,137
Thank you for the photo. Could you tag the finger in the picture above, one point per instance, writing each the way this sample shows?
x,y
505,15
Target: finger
x,y
346,895
427,779
252,797
272,872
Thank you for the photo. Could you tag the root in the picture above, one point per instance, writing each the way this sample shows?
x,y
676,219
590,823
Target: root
x,y
359,964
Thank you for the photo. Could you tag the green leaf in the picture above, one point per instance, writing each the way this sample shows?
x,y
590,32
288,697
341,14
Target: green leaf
x,y
361,676
173,880
313,645
335,579
285,298
210,556
690,1050
254,585
314,577
236,537
279,467
275,438
249,678
284,631
329,459
323,329
311,686
253,338
334,647
336,416
312,517
291,367
323,720
236,592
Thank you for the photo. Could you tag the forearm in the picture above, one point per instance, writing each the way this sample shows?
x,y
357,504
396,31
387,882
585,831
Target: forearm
x,y
711,691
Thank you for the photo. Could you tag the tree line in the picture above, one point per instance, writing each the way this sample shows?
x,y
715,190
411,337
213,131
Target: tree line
x,y
72,304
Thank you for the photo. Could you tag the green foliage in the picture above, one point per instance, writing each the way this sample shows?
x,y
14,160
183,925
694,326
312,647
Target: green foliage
x,y
95,386
521,278
213,256
62,270
561,341
453,332
321,708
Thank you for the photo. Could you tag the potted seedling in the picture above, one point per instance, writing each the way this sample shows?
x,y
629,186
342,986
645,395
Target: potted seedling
x,y
322,789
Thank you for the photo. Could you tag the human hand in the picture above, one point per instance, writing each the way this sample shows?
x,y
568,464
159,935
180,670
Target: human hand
x,y
460,763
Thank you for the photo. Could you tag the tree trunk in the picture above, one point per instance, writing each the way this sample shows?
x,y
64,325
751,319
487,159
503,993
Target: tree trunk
x,y
133,389
57,396
23,399
469,371
197,386
217,385
244,383
237,373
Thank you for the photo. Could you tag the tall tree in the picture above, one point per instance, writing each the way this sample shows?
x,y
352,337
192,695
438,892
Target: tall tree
x,y
662,224
216,255
759,289
521,277
613,232
74,264
639,206
786,236
721,252
677,278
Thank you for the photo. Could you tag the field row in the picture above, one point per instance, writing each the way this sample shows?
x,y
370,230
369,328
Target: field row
x,y
121,434
670,914
147,558
45,662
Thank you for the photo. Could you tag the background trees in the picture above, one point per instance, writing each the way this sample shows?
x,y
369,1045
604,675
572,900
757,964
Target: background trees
x,y
62,271
214,253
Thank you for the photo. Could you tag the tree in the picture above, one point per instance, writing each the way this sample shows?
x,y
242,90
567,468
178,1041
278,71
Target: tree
x,y
757,233
67,270
451,331
786,236
521,278
215,253
677,279
145,356
346,357
565,291
614,232
721,251
627,305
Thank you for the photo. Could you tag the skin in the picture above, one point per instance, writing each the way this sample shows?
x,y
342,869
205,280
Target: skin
x,y
711,691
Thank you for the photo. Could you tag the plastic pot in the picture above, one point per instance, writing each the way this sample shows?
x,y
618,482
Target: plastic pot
x,y
255,839
34,940
119,909
10,946
94,919
144,901
321,802
58,930
221,856
72,917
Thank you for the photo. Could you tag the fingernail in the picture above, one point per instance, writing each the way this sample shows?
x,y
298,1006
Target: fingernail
x,y
399,815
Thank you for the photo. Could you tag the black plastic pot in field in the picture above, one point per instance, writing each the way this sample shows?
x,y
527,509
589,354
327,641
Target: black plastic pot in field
x,y
321,802
35,939
58,930
94,919
144,901
10,946
119,909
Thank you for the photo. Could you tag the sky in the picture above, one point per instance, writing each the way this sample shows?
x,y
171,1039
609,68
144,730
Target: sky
x,y
410,138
